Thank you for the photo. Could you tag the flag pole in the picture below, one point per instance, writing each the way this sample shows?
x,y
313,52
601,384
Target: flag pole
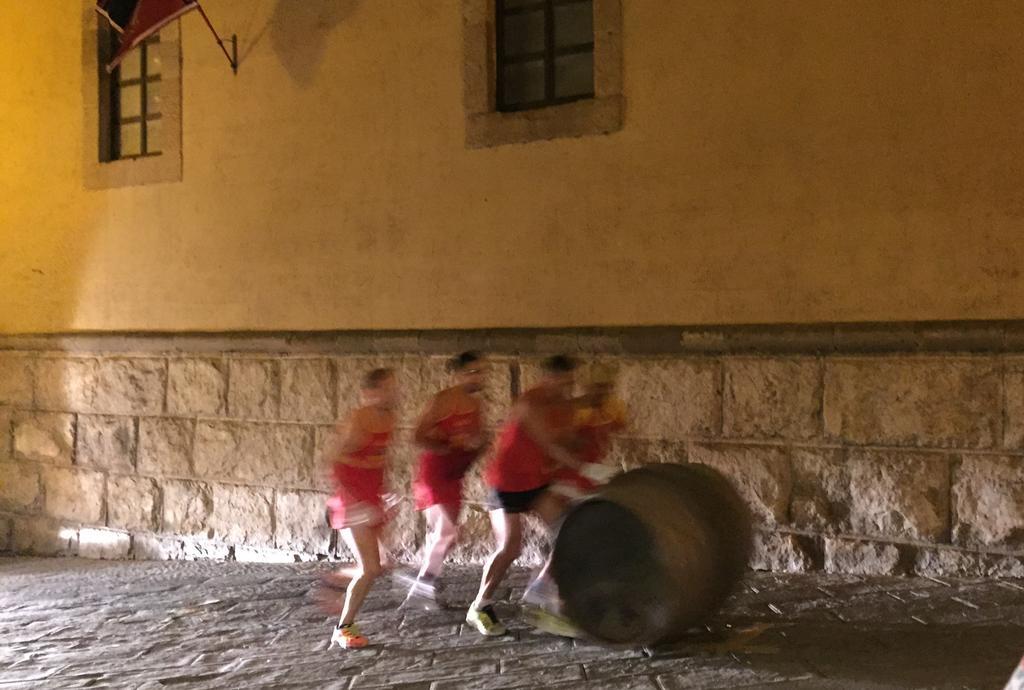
x,y
233,55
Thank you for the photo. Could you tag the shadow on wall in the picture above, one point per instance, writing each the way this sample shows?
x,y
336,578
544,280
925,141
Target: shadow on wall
x,y
299,30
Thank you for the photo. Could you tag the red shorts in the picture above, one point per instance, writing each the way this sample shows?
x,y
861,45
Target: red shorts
x,y
361,504
439,479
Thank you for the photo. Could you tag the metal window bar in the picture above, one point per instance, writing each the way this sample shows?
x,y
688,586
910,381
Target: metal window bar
x,y
548,55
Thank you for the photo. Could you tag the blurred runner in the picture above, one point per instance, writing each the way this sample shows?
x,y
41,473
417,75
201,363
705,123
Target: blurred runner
x,y
599,416
533,443
451,433
358,456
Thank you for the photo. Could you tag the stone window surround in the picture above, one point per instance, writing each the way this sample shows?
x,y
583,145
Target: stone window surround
x,y
486,127
165,167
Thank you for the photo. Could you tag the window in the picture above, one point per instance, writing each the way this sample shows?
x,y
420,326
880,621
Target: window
x,y
132,121
541,69
545,52
132,117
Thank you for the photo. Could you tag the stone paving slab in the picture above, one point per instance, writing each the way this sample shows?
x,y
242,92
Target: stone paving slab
x,y
68,623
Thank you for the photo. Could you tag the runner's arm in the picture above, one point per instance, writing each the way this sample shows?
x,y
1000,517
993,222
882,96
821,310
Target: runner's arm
x,y
534,425
347,437
426,435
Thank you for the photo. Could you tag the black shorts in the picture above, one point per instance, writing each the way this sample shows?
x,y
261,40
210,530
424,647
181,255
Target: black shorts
x,y
514,501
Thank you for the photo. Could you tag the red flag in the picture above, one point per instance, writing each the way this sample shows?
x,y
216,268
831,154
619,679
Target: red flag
x,y
147,18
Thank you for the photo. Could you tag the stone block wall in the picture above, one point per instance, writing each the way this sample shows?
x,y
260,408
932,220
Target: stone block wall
x,y
851,461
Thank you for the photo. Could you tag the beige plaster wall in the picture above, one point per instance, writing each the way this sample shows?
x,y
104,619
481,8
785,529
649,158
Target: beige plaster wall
x,y
779,162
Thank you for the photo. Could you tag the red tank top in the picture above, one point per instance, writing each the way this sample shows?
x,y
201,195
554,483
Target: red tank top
x,y
454,463
519,464
466,424
373,454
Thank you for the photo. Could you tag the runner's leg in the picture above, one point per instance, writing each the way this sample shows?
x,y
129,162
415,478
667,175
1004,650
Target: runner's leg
x,y
364,543
442,523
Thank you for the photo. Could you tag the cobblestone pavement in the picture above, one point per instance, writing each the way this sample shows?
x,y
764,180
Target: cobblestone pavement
x,y
99,624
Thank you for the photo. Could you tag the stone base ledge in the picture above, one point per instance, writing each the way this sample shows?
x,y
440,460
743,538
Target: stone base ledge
x,y
869,337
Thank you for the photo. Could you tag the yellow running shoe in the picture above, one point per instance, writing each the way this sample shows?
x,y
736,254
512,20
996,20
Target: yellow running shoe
x,y
485,621
348,637
550,622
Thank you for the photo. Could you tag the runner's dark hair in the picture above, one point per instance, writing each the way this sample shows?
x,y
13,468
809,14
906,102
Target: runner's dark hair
x,y
463,360
559,364
375,377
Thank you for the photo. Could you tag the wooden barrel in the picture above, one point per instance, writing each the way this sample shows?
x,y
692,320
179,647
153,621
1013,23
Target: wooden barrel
x,y
653,554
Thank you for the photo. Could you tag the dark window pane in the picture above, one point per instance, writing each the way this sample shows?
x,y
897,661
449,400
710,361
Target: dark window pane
x,y
131,140
536,31
524,82
131,101
574,24
574,75
524,33
131,65
154,136
153,101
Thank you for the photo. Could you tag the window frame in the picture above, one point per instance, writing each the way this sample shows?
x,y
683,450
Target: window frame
x,y
111,124
487,126
100,169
